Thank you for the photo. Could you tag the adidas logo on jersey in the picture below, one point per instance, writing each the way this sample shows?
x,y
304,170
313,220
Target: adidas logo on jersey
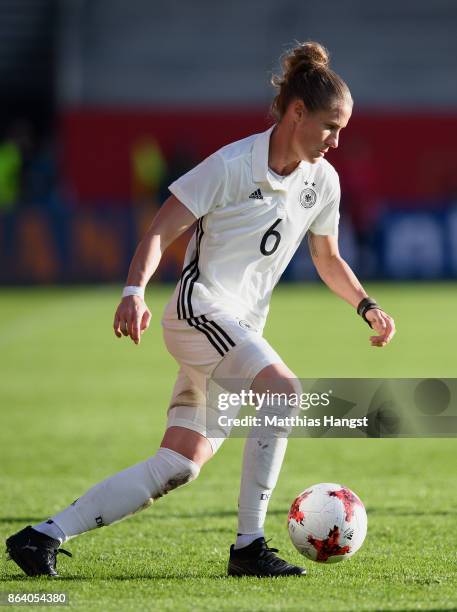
x,y
256,195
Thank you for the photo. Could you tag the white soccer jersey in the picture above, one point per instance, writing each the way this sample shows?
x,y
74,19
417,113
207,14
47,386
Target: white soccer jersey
x,y
249,226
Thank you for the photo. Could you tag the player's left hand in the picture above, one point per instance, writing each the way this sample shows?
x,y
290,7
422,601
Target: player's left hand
x,y
383,324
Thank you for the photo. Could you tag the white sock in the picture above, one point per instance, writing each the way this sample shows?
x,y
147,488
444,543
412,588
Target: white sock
x,y
263,457
50,529
244,539
125,493
261,466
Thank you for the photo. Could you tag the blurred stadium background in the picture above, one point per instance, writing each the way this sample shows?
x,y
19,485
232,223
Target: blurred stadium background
x,y
103,103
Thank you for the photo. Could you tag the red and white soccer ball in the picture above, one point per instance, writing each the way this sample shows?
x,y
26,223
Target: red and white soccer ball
x,y
327,523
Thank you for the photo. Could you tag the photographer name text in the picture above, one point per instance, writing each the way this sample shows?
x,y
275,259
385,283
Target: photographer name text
x,y
291,421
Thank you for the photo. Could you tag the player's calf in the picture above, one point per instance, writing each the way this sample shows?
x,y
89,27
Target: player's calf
x,y
127,492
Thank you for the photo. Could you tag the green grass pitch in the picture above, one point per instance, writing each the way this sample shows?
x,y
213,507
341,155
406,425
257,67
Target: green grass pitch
x,y
77,405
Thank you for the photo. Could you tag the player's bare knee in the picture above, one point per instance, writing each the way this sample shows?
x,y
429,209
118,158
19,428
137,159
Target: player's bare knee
x,y
188,443
291,387
281,386
276,378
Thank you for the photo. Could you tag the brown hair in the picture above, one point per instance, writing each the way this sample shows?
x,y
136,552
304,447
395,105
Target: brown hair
x,y
307,76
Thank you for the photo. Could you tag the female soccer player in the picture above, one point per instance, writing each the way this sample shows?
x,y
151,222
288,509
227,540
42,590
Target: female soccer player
x,y
252,202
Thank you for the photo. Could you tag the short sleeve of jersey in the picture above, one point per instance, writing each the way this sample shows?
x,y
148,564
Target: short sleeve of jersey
x,y
202,189
326,223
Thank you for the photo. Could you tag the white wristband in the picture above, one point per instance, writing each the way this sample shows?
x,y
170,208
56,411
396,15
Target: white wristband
x,y
132,290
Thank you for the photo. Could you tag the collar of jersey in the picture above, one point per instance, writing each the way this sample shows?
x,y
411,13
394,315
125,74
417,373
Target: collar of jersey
x,y
260,151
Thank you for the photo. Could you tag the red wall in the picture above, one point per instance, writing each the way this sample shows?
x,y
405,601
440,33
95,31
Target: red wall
x,y
393,155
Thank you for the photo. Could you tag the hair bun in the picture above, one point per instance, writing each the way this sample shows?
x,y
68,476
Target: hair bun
x,y
307,76
305,57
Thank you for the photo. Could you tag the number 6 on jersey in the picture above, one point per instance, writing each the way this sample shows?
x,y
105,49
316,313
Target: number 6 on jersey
x,y
277,239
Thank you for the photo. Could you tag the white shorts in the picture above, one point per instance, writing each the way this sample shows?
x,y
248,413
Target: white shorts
x,y
209,347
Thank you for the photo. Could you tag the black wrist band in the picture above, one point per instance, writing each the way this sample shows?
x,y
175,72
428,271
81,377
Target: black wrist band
x,y
364,306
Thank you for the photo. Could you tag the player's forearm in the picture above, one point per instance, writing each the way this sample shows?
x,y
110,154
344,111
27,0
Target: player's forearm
x,y
339,277
172,220
145,261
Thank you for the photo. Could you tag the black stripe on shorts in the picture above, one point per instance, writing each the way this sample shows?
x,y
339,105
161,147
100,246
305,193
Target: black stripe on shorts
x,y
219,339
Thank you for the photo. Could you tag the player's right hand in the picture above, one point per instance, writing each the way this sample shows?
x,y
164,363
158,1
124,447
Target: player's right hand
x,y
132,318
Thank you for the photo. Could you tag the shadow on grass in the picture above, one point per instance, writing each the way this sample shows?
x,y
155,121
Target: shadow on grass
x,y
158,514
205,514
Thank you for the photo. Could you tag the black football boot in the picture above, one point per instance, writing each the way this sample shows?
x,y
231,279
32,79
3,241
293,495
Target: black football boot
x,y
34,552
259,560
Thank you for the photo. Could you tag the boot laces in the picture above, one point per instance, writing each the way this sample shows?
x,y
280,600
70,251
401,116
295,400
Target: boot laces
x,y
269,554
51,554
